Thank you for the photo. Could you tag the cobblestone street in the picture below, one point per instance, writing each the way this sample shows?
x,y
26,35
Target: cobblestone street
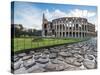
x,y
77,56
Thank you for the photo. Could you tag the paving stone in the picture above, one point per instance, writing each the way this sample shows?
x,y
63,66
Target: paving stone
x,y
42,61
52,50
82,67
90,57
94,54
82,52
65,54
22,54
60,67
77,48
81,45
70,60
38,70
44,56
89,64
72,68
41,65
50,67
16,65
14,58
32,52
79,57
33,69
27,57
20,71
68,54
29,63
70,46
46,52
64,50
56,61
60,58
73,51
37,53
85,47
36,57
52,55
76,63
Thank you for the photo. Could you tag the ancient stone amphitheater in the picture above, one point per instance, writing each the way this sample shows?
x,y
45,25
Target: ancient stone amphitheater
x,y
75,27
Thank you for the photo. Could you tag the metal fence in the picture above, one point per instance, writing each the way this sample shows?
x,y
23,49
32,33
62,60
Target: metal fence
x,y
23,43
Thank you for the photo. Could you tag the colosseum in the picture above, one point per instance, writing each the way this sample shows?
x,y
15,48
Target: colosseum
x,y
71,27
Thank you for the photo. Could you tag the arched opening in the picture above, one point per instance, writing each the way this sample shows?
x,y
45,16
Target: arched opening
x,y
63,34
83,27
76,34
45,26
57,27
45,33
60,34
53,31
76,26
70,28
73,34
83,34
60,27
66,34
70,34
80,34
63,27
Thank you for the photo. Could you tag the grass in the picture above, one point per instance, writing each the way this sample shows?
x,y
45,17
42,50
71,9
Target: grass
x,y
26,43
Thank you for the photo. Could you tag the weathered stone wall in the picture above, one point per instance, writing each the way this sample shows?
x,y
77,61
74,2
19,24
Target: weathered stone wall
x,y
70,27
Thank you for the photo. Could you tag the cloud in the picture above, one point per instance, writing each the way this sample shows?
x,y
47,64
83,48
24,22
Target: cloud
x,y
28,16
72,13
82,13
90,15
31,17
54,14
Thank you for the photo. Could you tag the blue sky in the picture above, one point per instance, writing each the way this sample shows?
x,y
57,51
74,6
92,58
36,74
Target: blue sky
x,y
29,14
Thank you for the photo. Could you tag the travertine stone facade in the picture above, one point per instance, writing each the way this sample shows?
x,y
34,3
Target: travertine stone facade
x,y
75,27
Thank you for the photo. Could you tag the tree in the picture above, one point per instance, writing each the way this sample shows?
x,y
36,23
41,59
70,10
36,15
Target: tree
x,y
18,30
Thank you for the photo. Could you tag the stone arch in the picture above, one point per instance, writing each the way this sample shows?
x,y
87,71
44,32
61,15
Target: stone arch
x,y
70,34
63,34
76,34
60,27
45,26
80,34
63,27
45,32
60,34
83,34
66,34
73,34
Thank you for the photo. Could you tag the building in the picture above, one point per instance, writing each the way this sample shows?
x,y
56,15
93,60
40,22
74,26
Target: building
x,y
75,27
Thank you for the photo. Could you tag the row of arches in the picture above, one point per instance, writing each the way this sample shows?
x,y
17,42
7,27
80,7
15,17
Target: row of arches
x,y
71,34
70,27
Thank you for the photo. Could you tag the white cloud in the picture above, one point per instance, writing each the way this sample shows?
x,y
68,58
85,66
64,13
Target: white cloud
x,y
90,15
72,13
32,17
28,16
54,14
